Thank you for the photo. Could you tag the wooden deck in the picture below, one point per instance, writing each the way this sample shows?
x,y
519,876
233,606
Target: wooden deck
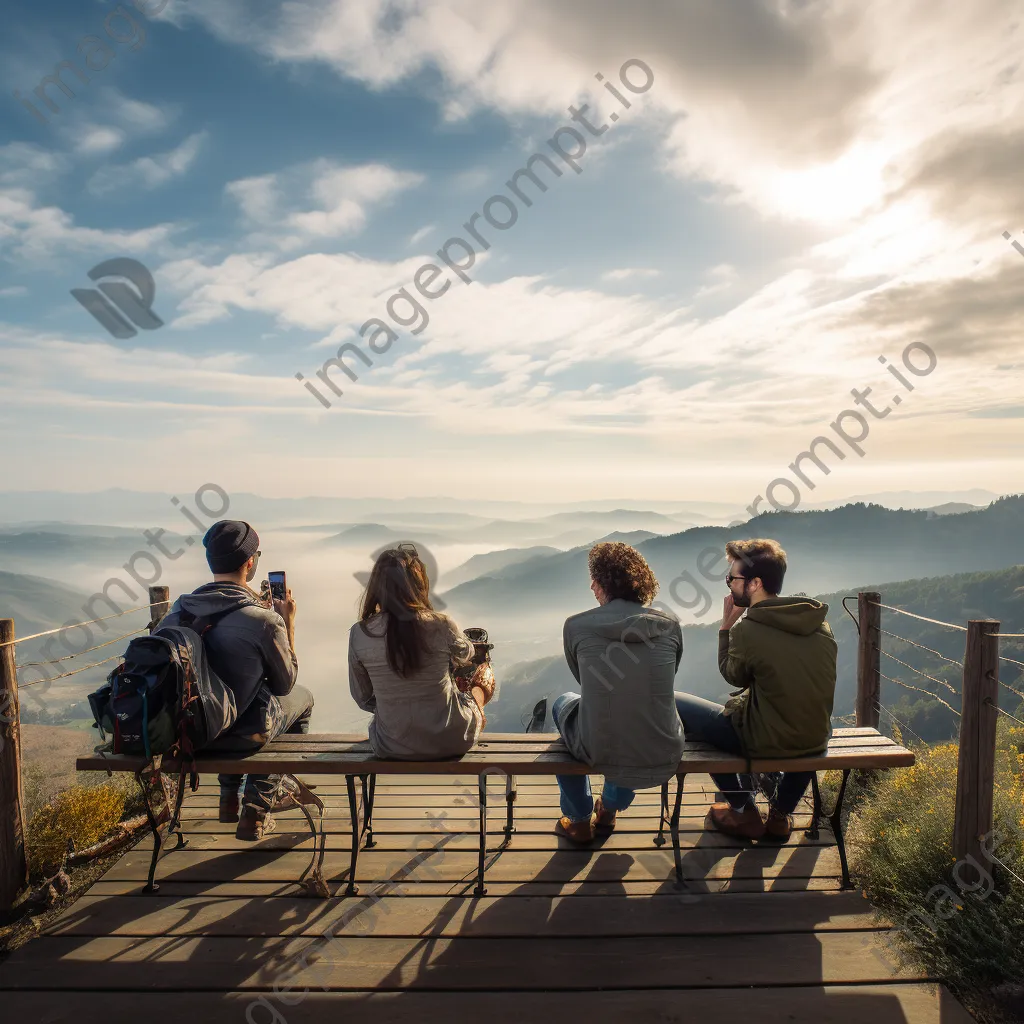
x,y
763,931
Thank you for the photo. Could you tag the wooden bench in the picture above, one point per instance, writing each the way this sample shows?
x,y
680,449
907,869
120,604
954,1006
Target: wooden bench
x,y
506,754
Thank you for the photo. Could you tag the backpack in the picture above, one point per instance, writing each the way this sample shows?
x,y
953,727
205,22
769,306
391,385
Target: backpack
x,y
165,698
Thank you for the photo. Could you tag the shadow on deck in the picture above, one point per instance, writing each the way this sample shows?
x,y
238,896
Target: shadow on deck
x,y
563,932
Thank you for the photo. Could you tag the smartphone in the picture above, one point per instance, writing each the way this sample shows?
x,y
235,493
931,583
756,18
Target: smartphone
x,y
278,585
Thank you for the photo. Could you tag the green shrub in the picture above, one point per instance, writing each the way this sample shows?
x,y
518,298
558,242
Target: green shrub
x,y
962,928
84,814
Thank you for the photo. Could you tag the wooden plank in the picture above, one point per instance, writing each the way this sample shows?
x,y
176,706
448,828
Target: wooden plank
x,y
722,888
254,865
508,763
414,842
580,916
459,964
911,1003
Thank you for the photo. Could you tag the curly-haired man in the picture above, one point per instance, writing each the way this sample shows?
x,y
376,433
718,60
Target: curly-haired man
x,y
624,724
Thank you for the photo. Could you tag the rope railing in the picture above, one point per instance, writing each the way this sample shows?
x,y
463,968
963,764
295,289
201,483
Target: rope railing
x,y
909,686
88,650
992,704
73,625
73,672
914,643
933,679
881,707
923,618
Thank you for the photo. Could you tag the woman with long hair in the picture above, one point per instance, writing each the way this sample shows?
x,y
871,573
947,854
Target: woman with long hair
x,y
400,656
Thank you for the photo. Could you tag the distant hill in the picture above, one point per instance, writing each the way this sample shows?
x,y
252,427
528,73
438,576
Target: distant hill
x,y
373,535
36,603
955,599
827,550
493,561
52,548
953,508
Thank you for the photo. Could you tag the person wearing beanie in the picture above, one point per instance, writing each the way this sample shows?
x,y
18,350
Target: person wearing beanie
x,y
251,647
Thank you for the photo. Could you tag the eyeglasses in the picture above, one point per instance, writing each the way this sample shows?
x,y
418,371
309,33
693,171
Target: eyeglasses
x,y
729,579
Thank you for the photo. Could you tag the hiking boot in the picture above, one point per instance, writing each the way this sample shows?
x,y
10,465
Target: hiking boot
x,y
581,832
256,822
745,824
604,818
779,826
228,808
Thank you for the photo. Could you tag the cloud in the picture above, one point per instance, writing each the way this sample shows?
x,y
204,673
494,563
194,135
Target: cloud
x,y
625,273
13,291
150,172
418,236
320,200
98,140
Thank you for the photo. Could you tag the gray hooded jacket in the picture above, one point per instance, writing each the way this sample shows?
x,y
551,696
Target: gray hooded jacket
x,y
248,646
625,656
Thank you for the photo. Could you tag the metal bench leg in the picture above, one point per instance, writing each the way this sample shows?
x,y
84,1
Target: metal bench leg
x,y
659,839
154,827
674,829
353,810
369,783
175,825
510,799
480,890
812,832
835,820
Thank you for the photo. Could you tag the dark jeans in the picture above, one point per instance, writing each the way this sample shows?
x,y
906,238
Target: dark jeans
x,y
702,720
266,718
705,720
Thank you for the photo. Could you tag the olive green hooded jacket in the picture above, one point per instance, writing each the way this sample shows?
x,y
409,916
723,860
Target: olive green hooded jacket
x,y
782,656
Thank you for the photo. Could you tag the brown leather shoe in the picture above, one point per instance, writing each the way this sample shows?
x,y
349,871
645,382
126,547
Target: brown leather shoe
x,y
254,823
779,826
581,832
745,824
228,808
604,818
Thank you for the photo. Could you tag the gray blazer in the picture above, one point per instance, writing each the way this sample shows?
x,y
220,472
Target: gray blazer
x,y
625,657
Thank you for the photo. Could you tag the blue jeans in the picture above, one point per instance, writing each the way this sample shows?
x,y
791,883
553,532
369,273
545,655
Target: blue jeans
x,y
705,720
577,801
702,720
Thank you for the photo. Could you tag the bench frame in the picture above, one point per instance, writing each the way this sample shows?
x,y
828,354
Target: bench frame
x,y
506,754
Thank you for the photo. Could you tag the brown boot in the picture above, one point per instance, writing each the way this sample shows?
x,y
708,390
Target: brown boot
x,y
228,808
604,818
581,832
745,824
256,822
779,826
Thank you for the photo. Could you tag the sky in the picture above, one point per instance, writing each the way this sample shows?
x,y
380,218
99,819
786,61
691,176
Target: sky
x,y
771,196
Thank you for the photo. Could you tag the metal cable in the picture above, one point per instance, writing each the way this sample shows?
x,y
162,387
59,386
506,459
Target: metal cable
x,y
937,622
934,696
1018,635
73,672
856,621
882,707
941,682
992,704
913,643
74,625
1005,868
68,657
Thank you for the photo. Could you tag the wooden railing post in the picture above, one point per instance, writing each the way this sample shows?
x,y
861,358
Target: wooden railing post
x,y
975,776
159,605
869,682
13,860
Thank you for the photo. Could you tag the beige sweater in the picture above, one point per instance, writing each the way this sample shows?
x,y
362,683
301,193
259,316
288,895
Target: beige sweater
x,y
422,717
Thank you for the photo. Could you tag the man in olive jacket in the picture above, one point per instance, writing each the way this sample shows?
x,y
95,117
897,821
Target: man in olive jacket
x,y
781,657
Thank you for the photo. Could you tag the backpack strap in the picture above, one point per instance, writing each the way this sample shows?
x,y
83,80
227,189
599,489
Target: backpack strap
x,y
202,623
